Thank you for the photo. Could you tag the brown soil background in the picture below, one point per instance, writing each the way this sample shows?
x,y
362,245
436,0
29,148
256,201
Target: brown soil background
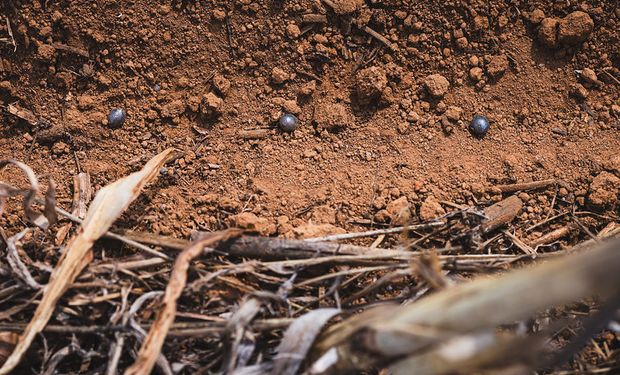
x,y
537,130
349,159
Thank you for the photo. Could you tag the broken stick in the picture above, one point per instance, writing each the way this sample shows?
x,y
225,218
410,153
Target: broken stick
x,y
553,235
502,212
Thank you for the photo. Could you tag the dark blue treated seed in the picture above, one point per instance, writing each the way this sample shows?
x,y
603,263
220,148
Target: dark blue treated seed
x,y
479,126
288,122
117,117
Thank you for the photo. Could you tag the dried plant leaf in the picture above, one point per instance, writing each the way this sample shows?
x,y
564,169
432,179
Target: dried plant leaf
x,y
49,216
151,347
108,205
235,329
19,268
298,339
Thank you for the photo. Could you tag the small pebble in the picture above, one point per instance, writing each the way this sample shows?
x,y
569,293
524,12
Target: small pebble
x,y
288,122
479,126
117,117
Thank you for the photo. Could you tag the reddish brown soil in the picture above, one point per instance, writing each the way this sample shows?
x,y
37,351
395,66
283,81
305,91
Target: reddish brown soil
x,y
382,130
157,61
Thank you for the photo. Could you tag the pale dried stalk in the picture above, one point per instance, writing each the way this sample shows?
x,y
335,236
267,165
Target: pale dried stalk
x,y
151,347
108,205
483,304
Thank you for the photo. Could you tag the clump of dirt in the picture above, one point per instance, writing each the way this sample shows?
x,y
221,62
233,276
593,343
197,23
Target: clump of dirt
x,y
437,85
370,84
346,6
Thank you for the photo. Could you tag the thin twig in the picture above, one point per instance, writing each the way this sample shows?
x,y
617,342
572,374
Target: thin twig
x,y
8,26
371,233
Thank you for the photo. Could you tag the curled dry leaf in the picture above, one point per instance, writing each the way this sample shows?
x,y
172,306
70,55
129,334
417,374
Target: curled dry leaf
x,y
49,216
108,205
298,339
151,347
19,268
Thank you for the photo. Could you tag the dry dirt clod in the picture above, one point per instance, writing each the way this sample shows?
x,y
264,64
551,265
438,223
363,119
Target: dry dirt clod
x,y
575,28
536,16
604,190
437,85
476,74
46,52
453,113
497,66
548,32
315,230
481,23
173,109
291,106
221,84
332,116
211,106
343,7
252,223
293,31
324,215
279,76
370,84
431,209
398,211
462,42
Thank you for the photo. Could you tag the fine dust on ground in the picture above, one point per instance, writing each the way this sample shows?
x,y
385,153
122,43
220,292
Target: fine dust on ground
x,y
383,121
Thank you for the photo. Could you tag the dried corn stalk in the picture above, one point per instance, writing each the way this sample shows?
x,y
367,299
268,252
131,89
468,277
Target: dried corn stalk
x,y
151,347
109,203
469,312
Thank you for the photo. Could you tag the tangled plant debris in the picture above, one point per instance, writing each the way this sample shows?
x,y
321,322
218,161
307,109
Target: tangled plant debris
x,y
454,328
